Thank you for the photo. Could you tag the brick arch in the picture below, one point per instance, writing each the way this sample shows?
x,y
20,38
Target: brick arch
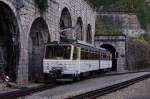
x,y
9,41
38,37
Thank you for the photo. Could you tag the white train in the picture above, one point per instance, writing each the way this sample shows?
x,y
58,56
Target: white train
x,y
70,61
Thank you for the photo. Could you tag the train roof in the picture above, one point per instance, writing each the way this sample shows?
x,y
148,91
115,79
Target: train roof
x,y
80,44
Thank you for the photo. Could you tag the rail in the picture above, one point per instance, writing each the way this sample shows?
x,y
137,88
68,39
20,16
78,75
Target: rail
x,y
97,93
27,91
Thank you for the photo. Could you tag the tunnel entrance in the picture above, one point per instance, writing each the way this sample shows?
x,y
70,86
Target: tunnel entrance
x,y
9,42
114,55
38,37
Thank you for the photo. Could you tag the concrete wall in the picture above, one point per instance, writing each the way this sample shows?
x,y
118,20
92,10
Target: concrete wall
x,y
27,14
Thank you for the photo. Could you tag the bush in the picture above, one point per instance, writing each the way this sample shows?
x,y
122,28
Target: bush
x,y
138,53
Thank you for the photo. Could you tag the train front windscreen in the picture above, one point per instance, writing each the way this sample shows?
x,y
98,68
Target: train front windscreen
x,y
58,52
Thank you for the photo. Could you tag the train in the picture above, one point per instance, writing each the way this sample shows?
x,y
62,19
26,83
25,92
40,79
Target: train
x,y
71,61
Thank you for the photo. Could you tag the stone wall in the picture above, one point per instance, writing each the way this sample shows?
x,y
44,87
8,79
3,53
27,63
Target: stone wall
x,y
127,23
29,13
117,42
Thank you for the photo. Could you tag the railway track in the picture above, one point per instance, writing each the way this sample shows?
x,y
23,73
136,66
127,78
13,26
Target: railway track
x,y
99,92
27,91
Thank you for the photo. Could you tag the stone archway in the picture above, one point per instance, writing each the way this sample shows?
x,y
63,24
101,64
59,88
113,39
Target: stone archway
x,y
114,55
9,42
65,25
65,19
38,37
78,28
89,34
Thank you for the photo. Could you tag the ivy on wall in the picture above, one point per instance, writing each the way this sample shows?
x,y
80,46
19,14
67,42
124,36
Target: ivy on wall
x,y
42,5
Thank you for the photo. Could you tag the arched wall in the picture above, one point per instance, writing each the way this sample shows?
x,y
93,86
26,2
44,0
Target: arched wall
x,y
10,41
38,37
27,14
79,28
79,8
65,19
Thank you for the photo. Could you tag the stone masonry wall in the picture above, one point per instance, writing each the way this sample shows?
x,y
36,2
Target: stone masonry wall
x,y
127,23
118,42
27,14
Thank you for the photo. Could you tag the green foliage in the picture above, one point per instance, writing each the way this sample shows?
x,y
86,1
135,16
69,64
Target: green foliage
x,y
138,52
138,39
140,7
42,5
100,27
98,3
115,31
146,36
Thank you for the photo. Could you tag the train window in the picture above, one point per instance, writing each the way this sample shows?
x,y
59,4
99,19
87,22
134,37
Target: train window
x,y
76,53
103,56
90,55
96,56
86,55
58,52
82,54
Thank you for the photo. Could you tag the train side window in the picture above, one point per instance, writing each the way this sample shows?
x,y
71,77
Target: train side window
x,y
90,55
86,55
76,53
95,56
82,54
104,56
58,52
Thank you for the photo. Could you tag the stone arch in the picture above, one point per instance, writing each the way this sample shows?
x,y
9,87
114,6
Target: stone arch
x,y
65,25
65,19
9,42
112,49
89,34
38,37
79,28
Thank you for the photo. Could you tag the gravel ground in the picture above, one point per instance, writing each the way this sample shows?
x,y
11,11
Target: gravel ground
x,y
139,90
